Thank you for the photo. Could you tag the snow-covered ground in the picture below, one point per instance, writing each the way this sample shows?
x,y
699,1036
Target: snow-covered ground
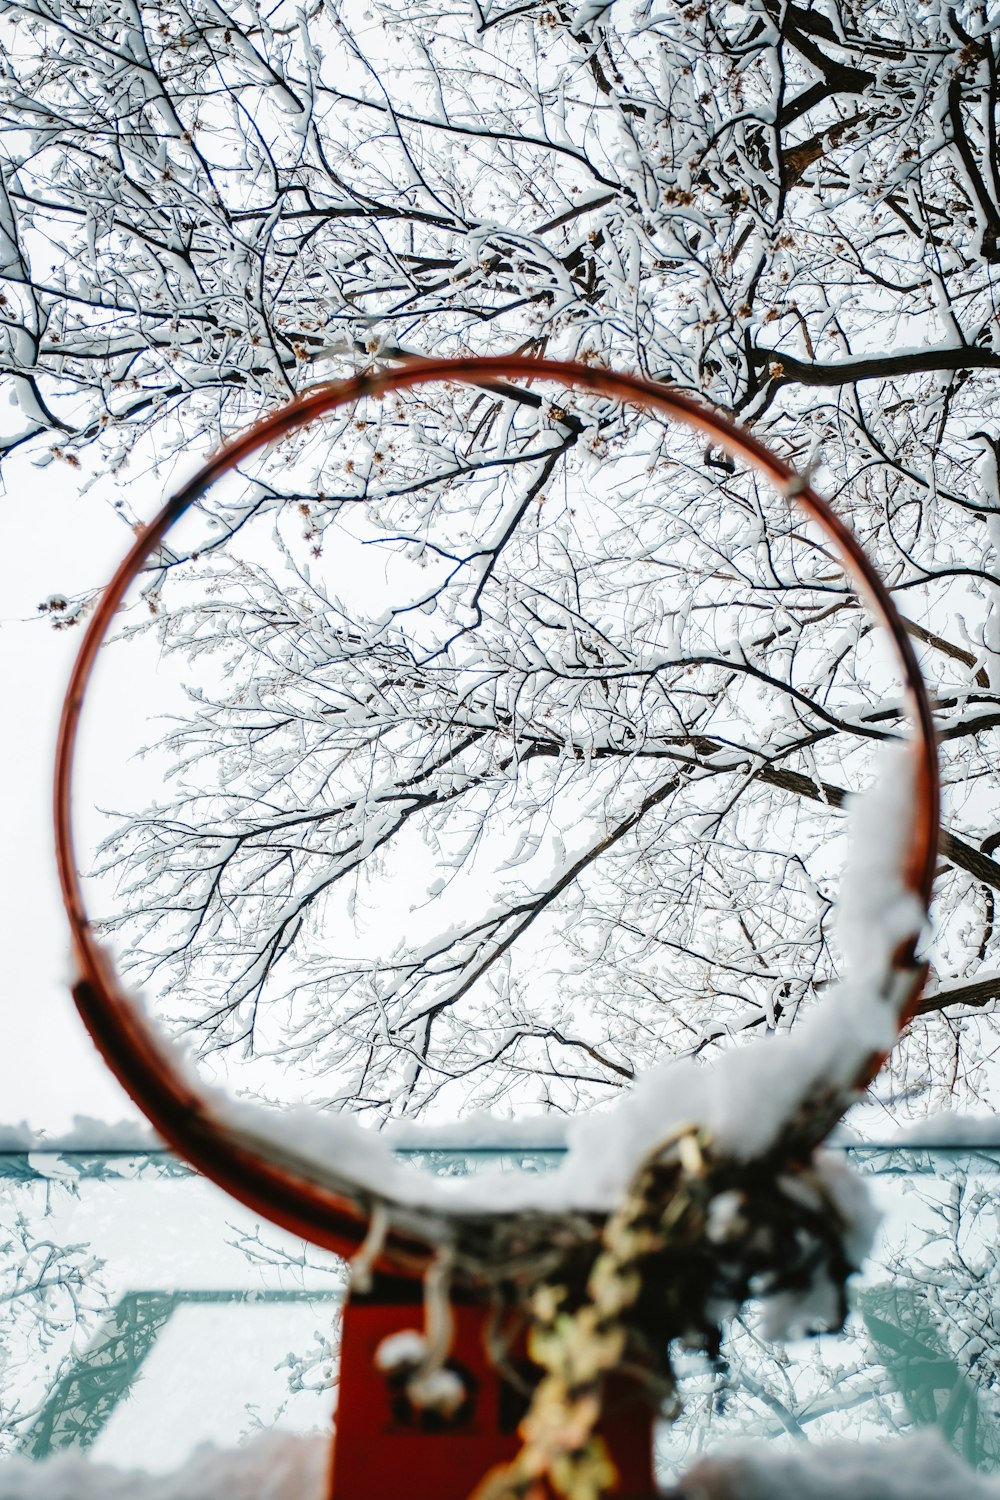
x,y
273,1466
277,1467
920,1467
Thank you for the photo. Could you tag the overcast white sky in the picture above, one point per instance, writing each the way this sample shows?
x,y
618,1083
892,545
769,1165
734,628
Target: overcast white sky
x,y
52,540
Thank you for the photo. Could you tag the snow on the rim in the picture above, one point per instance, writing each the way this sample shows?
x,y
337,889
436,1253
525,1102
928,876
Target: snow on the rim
x,y
741,1099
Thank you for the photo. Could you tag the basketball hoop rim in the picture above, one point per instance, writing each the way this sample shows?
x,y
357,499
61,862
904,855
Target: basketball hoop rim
x,y
175,1104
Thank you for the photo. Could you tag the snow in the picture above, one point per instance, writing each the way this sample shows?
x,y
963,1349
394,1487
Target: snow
x,y
86,1134
852,1197
281,1467
919,1467
479,1131
725,1220
876,911
437,1390
401,1349
949,1128
432,1389
273,1466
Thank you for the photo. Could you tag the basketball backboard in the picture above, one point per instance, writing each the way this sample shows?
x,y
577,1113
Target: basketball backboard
x,y
146,1313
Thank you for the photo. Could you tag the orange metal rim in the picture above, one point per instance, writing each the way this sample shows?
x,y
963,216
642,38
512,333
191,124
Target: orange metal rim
x,y
171,1102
